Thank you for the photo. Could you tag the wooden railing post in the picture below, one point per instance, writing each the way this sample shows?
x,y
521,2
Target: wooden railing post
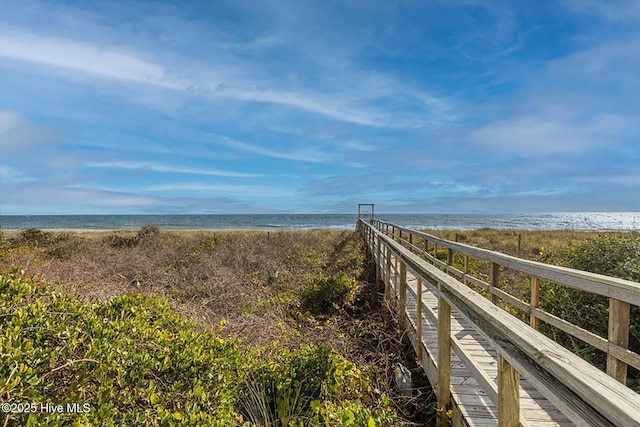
x,y
403,293
449,256
419,318
387,273
395,274
444,359
535,301
508,394
466,269
378,264
619,313
372,244
411,238
493,281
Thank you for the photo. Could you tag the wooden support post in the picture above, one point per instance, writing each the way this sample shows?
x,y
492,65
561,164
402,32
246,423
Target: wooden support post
x,y
378,264
403,293
535,301
493,281
466,268
419,319
372,244
444,360
426,246
387,273
411,238
449,256
395,275
619,312
508,394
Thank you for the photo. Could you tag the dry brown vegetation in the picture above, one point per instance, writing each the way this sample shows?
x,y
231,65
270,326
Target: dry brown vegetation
x,y
237,276
248,281
528,244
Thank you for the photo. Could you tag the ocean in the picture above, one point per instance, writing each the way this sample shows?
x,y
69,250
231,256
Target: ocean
x,y
601,221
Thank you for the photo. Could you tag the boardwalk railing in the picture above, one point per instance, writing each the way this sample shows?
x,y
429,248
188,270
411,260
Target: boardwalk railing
x,y
406,260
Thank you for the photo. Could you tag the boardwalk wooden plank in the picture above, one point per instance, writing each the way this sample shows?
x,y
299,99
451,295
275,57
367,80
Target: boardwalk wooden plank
x,y
473,365
483,355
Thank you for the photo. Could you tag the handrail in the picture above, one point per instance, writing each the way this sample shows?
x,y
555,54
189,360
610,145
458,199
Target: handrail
x,y
621,293
581,391
624,290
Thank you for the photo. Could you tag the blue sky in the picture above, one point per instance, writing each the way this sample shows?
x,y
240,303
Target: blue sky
x,y
307,106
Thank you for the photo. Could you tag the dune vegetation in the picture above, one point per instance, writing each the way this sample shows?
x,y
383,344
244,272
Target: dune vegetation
x,y
156,327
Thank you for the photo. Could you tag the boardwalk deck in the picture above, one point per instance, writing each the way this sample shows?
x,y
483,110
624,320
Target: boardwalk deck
x,y
495,369
473,402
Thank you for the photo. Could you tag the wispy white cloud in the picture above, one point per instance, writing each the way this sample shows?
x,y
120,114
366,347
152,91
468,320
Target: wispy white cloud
x,y
157,167
548,133
10,175
351,103
255,45
625,176
8,120
612,10
19,135
84,57
309,102
309,154
612,62
35,198
488,29
251,190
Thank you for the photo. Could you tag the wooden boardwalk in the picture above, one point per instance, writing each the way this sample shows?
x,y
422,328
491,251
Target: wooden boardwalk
x,y
471,354
495,369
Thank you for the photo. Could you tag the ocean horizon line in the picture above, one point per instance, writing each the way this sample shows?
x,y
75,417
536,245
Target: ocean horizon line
x,y
540,221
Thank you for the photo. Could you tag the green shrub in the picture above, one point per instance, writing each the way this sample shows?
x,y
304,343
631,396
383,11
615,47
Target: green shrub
x,y
612,254
134,361
616,254
325,295
64,246
33,236
148,232
311,386
116,241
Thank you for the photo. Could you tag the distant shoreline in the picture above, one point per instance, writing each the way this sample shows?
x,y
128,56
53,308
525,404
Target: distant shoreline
x,y
586,221
128,230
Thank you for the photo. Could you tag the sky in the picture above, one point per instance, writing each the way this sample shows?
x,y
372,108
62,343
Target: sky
x,y
306,106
